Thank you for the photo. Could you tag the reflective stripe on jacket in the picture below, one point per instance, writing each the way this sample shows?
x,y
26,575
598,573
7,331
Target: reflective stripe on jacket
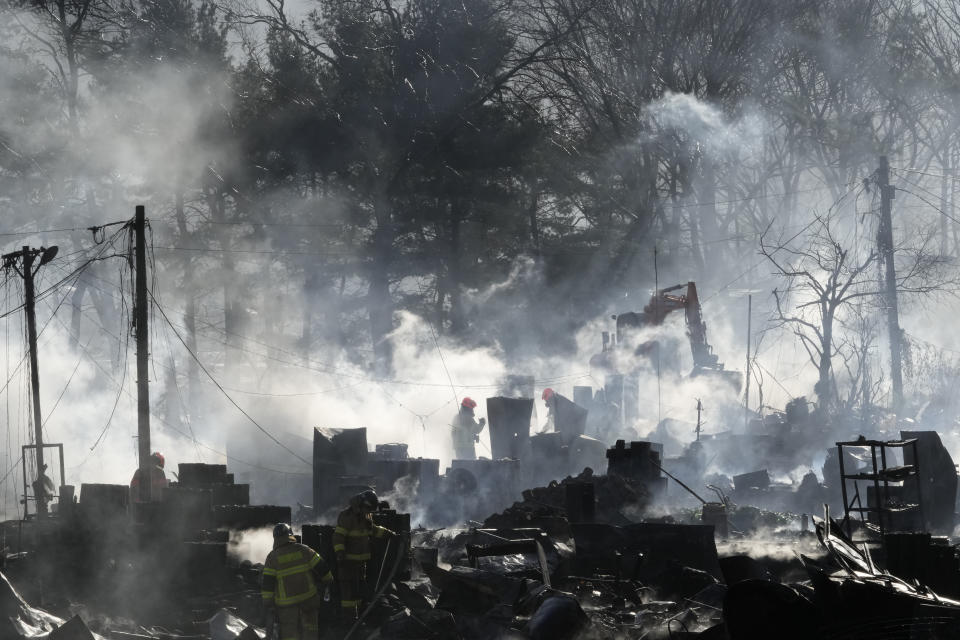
x,y
352,535
289,574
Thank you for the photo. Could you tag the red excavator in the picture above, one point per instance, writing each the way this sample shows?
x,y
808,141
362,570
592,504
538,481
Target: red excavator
x,y
615,359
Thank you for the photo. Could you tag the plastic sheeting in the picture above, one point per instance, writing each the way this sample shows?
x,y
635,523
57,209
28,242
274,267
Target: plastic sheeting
x,y
19,620
226,626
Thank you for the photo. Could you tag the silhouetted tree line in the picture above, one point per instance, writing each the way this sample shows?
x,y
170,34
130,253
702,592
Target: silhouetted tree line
x,y
311,170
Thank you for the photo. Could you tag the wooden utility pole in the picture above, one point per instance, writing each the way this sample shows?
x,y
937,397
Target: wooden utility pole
x,y
26,270
885,246
141,324
27,257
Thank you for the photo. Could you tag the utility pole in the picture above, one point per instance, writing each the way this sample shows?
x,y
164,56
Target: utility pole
x,y
885,246
746,394
26,270
141,325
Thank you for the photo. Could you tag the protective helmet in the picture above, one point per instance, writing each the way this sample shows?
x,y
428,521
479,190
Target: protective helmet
x,y
469,403
367,500
157,458
282,530
547,394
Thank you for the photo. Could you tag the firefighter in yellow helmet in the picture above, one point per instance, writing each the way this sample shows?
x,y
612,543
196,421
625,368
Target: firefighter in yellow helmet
x,y
351,543
289,586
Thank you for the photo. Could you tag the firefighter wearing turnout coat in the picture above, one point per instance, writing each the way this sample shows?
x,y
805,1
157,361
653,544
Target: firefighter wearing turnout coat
x,y
351,543
291,573
466,431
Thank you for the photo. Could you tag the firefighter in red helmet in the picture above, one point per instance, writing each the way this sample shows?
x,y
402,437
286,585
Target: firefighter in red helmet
x,y
550,401
466,431
157,479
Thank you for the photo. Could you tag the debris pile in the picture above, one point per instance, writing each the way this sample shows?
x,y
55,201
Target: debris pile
x,y
612,494
577,559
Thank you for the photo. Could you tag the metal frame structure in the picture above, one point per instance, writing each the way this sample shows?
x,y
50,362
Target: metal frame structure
x,y
880,474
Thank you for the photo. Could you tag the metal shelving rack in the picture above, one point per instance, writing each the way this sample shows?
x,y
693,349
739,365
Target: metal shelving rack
x,y
880,475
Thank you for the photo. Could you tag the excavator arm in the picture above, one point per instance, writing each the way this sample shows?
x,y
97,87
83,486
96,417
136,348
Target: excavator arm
x,y
703,355
663,303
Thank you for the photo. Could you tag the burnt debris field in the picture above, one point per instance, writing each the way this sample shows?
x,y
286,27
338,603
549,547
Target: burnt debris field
x,y
479,319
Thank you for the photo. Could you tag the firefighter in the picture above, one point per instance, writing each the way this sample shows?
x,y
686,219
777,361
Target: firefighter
x,y
351,543
466,431
550,401
158,479
288,586
43,490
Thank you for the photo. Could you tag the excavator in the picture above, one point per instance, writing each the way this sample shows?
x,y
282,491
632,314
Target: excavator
x,y
616,358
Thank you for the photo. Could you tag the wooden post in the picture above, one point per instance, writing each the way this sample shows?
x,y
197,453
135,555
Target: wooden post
x,y
885,244
142,335
30,309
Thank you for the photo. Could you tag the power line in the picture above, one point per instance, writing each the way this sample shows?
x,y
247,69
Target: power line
x,y
120,391
219,386
836,203
79,270
925,173
327,369
259,251
260,223
921,198
436,343
30,233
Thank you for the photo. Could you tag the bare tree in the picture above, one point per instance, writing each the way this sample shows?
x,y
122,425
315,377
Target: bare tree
x,y
830,289
855,348
824,277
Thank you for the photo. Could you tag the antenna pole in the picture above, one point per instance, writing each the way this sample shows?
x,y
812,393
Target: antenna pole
x,y
746,395
699,424
142,334
656,311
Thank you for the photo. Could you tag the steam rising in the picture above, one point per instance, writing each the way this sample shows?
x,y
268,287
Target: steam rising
x,y
140,134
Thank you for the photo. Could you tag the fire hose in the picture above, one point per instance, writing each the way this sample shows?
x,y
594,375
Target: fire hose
x,y
380,587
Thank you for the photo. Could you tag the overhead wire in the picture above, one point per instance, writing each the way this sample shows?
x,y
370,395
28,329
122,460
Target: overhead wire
x,y
326,369
49,290
121,391
207,372
184,411
925,173
755,364
925,200
30,233
268,356
433,334
756,264
75,274
63,391
935,207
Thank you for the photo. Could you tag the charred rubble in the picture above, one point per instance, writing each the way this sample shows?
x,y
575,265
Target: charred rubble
x,y
529,544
